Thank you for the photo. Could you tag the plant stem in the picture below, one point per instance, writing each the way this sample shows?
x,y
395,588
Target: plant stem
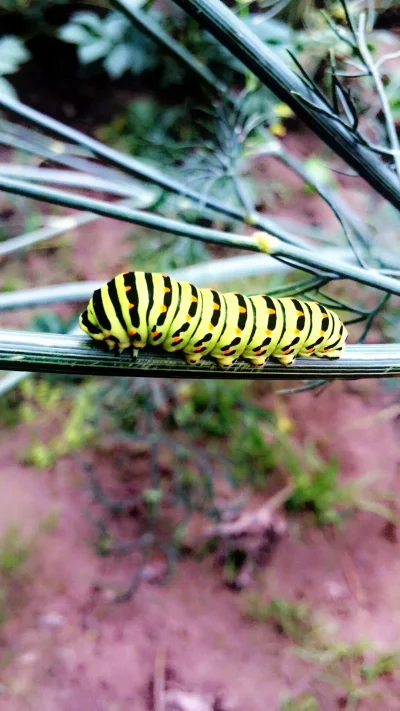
x,y
374,72
275,247
214,16
215,271
341,210
78,355
142,170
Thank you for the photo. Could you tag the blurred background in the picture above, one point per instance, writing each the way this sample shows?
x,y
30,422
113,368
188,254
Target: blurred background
x,y
178,545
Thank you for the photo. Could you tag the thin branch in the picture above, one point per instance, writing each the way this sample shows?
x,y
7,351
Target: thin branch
x,y
387,58
216,271
141,170
372,67
258,242
340,209
76,179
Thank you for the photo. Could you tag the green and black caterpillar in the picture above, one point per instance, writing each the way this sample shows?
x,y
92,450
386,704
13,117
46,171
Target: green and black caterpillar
x,y
138,309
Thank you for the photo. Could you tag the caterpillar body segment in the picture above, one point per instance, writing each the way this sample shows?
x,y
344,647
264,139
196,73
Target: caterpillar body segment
x,y
140,308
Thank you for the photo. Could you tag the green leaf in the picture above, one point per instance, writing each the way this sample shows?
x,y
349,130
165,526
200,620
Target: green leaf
x,y
118,61
90,19
88,53
74,33
140,59
7,88
115,26
12,53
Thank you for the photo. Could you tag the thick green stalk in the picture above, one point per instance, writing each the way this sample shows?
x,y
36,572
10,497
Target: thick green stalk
x,y
218,19
258,242
79,355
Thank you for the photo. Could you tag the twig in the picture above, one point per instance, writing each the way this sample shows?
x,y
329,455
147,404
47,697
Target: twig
x,y
372,67
258,242
159,680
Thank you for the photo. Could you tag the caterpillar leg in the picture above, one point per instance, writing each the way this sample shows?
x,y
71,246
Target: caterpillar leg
x,y
334,354
286,360
257,362
192,358
123,346
111,343
225,361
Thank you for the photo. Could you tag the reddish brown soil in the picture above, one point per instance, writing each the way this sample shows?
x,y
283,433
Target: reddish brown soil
x,y
68,648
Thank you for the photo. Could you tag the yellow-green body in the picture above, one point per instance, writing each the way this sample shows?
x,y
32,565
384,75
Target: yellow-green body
x,y
140,308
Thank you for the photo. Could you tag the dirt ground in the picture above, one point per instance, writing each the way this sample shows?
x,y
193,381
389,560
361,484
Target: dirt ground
x,y
65,646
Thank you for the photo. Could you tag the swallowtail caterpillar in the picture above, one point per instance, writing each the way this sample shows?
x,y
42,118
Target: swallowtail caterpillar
x,y
136,309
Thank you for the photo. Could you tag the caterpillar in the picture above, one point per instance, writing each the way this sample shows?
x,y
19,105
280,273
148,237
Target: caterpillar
x,y
139,308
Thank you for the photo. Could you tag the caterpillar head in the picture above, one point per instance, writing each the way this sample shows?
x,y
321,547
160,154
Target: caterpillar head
x,y
89,323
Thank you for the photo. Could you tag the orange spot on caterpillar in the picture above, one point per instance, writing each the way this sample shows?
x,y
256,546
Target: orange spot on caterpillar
x,y
165,276
238,331
324,315
322,333
132,332
188,318
271,311
125,272
259,352
166,289
311,348
128,288
194,299
163,308
242,310
198,348
131,306
228,351
285,352
326,350
155,333
176,339
268,332
211,327
299,313
297,330
106,335
215,306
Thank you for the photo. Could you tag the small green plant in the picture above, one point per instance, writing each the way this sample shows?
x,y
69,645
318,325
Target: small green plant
x,y
10,414
315,484
111,40
303,702
71,408
316,487
387,663
351,669
292,619
14,553
3,608
13,53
